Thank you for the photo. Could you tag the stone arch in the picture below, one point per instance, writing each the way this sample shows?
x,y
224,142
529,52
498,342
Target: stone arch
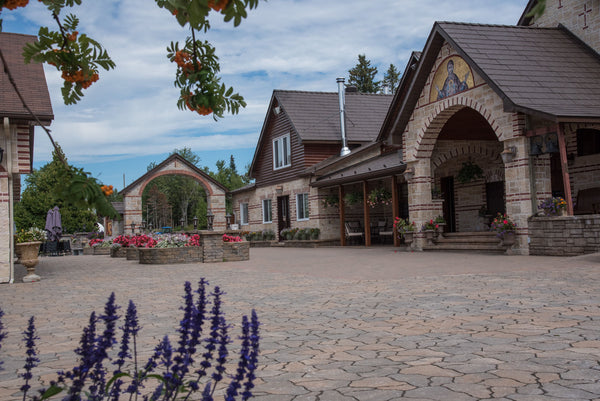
x,y
442,112
174,165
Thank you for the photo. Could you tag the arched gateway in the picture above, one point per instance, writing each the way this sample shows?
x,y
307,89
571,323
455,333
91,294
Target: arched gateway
x,y
173,165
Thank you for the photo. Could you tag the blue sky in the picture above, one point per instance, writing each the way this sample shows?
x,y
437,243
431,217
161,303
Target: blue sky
x,y
129,118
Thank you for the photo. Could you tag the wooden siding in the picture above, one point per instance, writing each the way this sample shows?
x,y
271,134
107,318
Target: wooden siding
x,y
264,174
315,153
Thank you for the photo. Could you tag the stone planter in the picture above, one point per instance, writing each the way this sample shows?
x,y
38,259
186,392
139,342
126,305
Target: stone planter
x,y
100,250
429,234
409,237
236,251
88,251
28,256
508,239
131,253
119,252
164,256
440,230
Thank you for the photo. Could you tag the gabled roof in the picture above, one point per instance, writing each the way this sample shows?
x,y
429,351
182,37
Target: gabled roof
x,y
180,159
29,78
542,71
315,116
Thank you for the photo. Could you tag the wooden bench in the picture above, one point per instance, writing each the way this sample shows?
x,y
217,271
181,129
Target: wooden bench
x,y
354,230
588,201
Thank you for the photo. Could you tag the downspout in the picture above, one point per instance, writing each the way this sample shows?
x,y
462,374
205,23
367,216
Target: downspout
x,y
11,216
341,90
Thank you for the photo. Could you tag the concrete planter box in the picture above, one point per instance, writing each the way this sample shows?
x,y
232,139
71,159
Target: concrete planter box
x,y
261,244
236,251
131,254
101,251
165,256
88,251
118,252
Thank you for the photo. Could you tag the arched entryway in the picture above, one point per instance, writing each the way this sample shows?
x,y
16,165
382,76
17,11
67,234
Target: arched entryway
x,y
173,165
468,172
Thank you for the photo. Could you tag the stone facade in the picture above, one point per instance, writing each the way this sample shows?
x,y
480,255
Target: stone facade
x,y
324,218
167,256
236,251
579,16
564,236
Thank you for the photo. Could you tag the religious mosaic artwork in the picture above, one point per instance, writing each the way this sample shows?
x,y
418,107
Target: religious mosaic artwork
x,y
452,76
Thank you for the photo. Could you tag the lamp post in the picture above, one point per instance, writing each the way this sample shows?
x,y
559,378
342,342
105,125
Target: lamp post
x,y
228,219
195,220
132,228
210,218
181,221
143,226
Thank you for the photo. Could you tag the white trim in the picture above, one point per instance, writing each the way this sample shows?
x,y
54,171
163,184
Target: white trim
x,y
305,207
244,214
279,148
270,202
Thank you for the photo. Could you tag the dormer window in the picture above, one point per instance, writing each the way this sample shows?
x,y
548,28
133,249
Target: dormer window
x,y
282,152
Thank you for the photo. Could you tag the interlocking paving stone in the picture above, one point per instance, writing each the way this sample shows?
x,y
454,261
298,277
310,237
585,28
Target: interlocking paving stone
x,y
348,324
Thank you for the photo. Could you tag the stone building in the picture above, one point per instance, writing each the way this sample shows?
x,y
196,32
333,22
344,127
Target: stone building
x,y
301,135
488,119
17,134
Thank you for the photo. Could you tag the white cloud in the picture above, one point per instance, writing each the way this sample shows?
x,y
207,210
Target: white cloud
x,y
284,44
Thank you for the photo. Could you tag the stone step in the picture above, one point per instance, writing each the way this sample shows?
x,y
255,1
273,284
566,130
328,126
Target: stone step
x,y
481,242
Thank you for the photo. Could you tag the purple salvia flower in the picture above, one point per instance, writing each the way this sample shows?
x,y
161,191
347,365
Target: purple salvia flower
x,y
32,360
236,380
2,333
253,356
207,393
222,351
86,352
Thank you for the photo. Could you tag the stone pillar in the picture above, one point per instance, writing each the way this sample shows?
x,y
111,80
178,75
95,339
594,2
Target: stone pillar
x,y
519,191
5,222
133,212
420,204
216,203
212,246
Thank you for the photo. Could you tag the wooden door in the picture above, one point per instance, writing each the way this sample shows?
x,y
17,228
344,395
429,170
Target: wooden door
x,y
283,213
447,188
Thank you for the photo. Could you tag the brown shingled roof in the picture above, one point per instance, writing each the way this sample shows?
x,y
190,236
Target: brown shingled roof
x,y
30,80
543,70
316,115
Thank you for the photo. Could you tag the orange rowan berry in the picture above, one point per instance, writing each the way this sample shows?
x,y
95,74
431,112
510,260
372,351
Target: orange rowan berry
x,y
218,5
12,4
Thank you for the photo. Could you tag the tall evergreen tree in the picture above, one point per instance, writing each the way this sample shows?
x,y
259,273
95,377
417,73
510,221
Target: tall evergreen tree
x,y
363,76
391,79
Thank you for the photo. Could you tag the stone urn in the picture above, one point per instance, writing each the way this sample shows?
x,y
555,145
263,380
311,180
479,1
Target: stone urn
x,y
508,239
408,237
440,229
28,256
429,236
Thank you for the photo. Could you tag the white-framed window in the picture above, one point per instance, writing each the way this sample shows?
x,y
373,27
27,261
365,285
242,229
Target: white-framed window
x,y
267,214
282,152
302,206
244,214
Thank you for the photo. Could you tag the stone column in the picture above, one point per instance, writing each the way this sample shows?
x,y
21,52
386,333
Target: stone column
x,y
519,191
133,212
420,204
212,246
5,222
216,203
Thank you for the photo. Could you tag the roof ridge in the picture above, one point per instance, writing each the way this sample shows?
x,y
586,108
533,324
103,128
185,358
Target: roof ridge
x,y
498,25
328,93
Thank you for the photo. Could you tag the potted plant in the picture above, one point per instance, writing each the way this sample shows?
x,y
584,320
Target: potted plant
x,y
469,172
379,196
555,206
353,198
406,229
331,201
429,228
505,229
440,224
314,233
27,248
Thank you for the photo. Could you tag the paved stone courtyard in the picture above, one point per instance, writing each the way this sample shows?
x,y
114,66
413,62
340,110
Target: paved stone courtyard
x,y
349,324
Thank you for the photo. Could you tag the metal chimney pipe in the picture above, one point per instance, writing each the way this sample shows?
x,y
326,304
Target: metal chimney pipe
x,y
341,91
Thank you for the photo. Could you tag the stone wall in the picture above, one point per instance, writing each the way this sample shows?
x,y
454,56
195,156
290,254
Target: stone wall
x,y
564,236
236,251
167,256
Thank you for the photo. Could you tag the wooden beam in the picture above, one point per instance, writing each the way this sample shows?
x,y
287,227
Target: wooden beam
x,y
562,148
367,218
342,209
395,207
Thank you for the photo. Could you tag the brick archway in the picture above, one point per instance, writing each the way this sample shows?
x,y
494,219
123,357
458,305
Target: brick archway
x,y
174,165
